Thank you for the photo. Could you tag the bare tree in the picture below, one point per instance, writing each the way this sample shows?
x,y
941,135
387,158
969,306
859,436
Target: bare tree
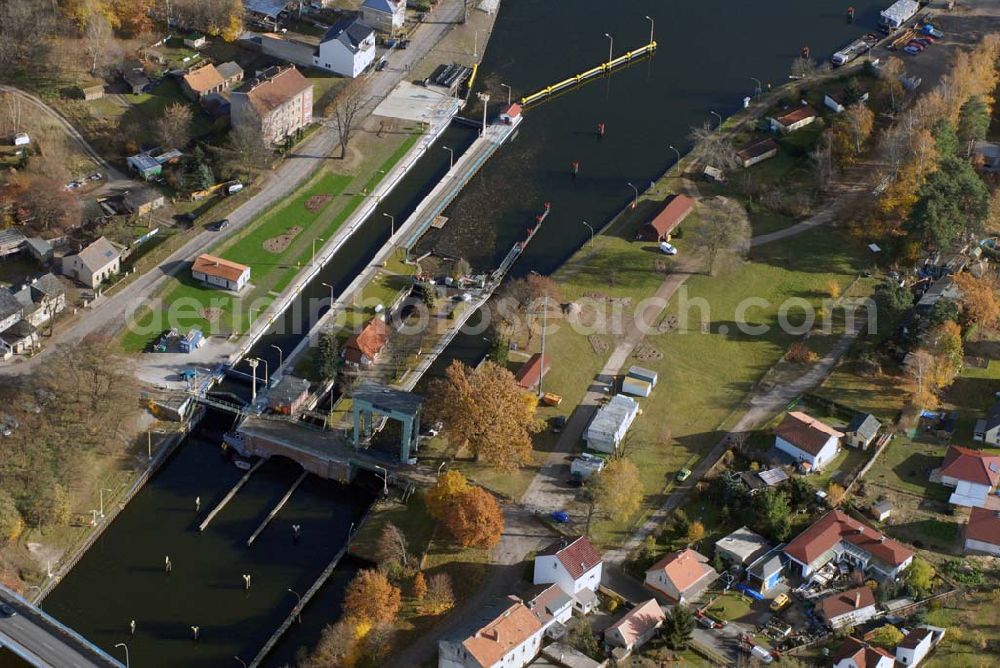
x,y
715,147
98,41
725,231
391,546
822,157
248,153
345,114
24,31
803,68
173,128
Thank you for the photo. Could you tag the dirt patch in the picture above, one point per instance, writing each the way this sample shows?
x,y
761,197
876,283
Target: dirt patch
x,y
599,344
279,243
317,202
646,353
210,314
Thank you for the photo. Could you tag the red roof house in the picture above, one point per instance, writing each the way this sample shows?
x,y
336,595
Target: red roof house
x,y
681,576
532,371
667,220
575,566
636,627
973,474
510,113
848,608
854,653
982,533
837,534
362,348
793,119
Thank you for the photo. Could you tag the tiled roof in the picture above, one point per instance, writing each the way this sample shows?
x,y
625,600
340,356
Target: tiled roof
x,y
757,149
843,602
577,557
863,654
274,87
532,371
371,339
914,637
984,526
217,266
683,568
971,465
806,432
795,115
638,621
203,79
494,640
672,214
838,526
548,601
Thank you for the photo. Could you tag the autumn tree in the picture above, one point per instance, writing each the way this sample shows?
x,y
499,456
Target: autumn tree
x,y
216,17
99,42
485,409
803,68
47,205
173,128
24,33
920,369
47,507
979,304
475,519
11,523
886,636
441,497
617,490
372,598
391,548
337,646
834,493
695,532
419,586
890,83
523,301
920,577
440,594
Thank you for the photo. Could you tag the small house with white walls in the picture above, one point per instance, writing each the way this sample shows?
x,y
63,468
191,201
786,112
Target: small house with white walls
x,y
504,634
848,608
347,48
982,533
915,646
386,16
810,442
576,566
973,474
854,653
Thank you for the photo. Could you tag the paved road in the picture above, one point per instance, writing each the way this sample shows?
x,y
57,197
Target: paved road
x,y
110,313
44,644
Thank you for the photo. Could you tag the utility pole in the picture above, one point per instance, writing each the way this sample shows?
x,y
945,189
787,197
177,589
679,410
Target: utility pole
x,y
541,370
253,362
485,99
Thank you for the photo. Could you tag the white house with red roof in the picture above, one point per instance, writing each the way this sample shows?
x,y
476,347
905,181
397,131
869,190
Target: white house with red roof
x,y
810,442
982,533
681,576
576,566
973,474
854,653
506,633
836,536
636,627
848,608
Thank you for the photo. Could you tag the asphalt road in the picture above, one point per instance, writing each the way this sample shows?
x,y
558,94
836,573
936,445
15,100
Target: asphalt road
x,y
47,645
109,313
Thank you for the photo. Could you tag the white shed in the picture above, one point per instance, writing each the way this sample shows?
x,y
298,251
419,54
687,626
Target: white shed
x,y
611,423
21,139
647,375
636,387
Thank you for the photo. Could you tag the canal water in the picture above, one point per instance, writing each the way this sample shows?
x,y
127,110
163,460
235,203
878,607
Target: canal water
x,y
708,53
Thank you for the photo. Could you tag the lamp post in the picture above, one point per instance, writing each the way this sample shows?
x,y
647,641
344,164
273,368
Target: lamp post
x,y
103,490
281,354
314,248
125,647
508,92
652,25
717,116
298,605
327,285
485,99
676,164
611,47
451,157
253,362
242,662
392,224
475,42
759,88
385,480
635,197
591,232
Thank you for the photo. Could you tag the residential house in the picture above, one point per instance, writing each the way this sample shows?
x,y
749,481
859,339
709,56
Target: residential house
x,y
758,151
848,608
637,627
347,49
612,421
288,395
136,80
854,653
202,81
862,430
195,40
231,74
11,310
144,201
531,372
41,299
362,348
666,221
742,547
681,576
973,474
94,264
576,566
836,536
11,242
552,606
767,570
217,272
506,634
276,104
982,533
915,646
837,101
386,16
40,249
791,120
987,430
810,442
20,338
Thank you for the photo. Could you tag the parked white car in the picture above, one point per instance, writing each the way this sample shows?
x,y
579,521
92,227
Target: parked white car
x,y
667,248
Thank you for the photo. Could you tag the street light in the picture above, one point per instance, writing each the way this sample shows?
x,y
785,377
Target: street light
x,y
385,480
508,92
392,224
717,116
591,232
298,605
451,157
327,285
103,490
314,248
676,164
242,662
281,354
267,374
475,42
125,647
611,47
635,198
759,88
485,99
652,24
253,362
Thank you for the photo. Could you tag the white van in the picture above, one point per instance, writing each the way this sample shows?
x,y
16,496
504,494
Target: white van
x,y
667,248
234,188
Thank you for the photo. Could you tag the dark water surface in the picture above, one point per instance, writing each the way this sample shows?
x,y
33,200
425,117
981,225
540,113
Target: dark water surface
x,y
708,52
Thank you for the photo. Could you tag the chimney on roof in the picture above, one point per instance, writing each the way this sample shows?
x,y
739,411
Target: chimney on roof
x,y
583,565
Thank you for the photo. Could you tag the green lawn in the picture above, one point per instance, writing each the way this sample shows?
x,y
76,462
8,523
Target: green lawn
x,y
730,607
147,108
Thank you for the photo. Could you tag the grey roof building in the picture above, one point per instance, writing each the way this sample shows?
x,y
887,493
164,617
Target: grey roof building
x,y
742,546
862,430
352,33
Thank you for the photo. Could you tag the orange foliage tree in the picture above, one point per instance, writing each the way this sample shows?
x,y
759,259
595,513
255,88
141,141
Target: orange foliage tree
x,y
475,519
372,598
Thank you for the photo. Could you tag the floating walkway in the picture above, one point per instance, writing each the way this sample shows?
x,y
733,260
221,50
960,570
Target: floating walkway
x,y
603,68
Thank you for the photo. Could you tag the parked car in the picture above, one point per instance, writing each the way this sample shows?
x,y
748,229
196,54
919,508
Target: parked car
x,y
221,225
683,475
382,64
558,423
926,41
780,602
6,610
913,49
667,248
559,517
